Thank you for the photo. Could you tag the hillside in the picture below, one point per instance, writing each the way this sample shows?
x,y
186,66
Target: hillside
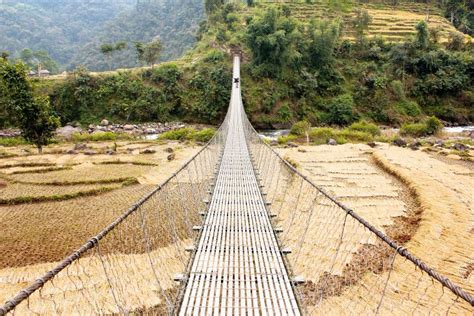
x,y
72,31
294,68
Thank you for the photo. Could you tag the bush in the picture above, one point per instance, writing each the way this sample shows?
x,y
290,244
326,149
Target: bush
x,y
431,126
364,126
12,141
203,135
321,135
354,136
98,137
187,133
409,108
414,129
286,139
300,128
340,111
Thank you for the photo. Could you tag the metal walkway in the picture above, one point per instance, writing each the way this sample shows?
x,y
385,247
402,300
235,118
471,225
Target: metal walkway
x,y
238,267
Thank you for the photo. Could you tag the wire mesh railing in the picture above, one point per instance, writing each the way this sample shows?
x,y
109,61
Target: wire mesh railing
x,y
348,266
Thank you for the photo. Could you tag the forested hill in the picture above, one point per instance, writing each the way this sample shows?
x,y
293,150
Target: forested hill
x,y
71,31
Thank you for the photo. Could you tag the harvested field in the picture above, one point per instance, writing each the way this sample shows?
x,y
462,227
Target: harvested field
x,y
435,223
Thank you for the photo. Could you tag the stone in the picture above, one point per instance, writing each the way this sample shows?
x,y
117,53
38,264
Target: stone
x,y
148,151
111,152
90,152
171,157
459,147
372,144
128,127
332,142
415,145
292,145
80,146
454,157
71,152
400,142
104,122
67,131
273,143
471,134
150,131
439,143
301,150
169,150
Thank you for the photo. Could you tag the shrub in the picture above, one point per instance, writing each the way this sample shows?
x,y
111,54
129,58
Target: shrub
x,y
430,126
300,128
286,139
366,127
177,134
98,137
340,110
409,108
12,141
354,136
321,135
203,135
433,125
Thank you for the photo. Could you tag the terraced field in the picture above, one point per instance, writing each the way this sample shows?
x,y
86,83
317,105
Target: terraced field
x,y
391,23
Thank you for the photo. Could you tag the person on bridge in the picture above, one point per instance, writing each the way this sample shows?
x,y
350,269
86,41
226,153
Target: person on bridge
x,y
236,81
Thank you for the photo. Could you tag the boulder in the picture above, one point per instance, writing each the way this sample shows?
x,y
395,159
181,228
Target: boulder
x,y
273,143
171,157
67,131
415,145
128,127
471,134
111,152
90,152
150,131
459,147
372,144
400,142
301,150
169,150
332,142
292,145
148,151
71,152
104,122
439,143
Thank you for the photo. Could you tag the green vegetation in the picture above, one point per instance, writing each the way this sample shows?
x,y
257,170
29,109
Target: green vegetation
x,y
100,137
430,126
73,31
34,116
12,141
183,134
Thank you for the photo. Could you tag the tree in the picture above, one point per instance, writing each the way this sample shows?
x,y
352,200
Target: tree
x,y
361,23
34,116
38,59
212,5
149,53
422,38
4,55
109,49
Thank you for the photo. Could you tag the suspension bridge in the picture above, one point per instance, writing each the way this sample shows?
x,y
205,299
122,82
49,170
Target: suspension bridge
x,y
239,231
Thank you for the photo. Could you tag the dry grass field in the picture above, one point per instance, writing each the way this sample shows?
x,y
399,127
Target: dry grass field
x,y
415,198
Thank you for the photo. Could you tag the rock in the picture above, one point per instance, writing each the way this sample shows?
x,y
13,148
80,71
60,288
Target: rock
x,y
372,144
171,157
104,122
71,152
301,150
67,131
400,142
90,152
332,142
128,127
459,147
80,146
2,183
415,146
273,143
169,150
292,145
471,134
439,143
150,131
91,126
148,151
111,152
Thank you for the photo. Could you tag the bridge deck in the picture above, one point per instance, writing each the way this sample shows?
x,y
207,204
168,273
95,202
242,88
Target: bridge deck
x,y
238,268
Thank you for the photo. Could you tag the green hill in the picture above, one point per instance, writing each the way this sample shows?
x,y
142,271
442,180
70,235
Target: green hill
x,y
72,31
